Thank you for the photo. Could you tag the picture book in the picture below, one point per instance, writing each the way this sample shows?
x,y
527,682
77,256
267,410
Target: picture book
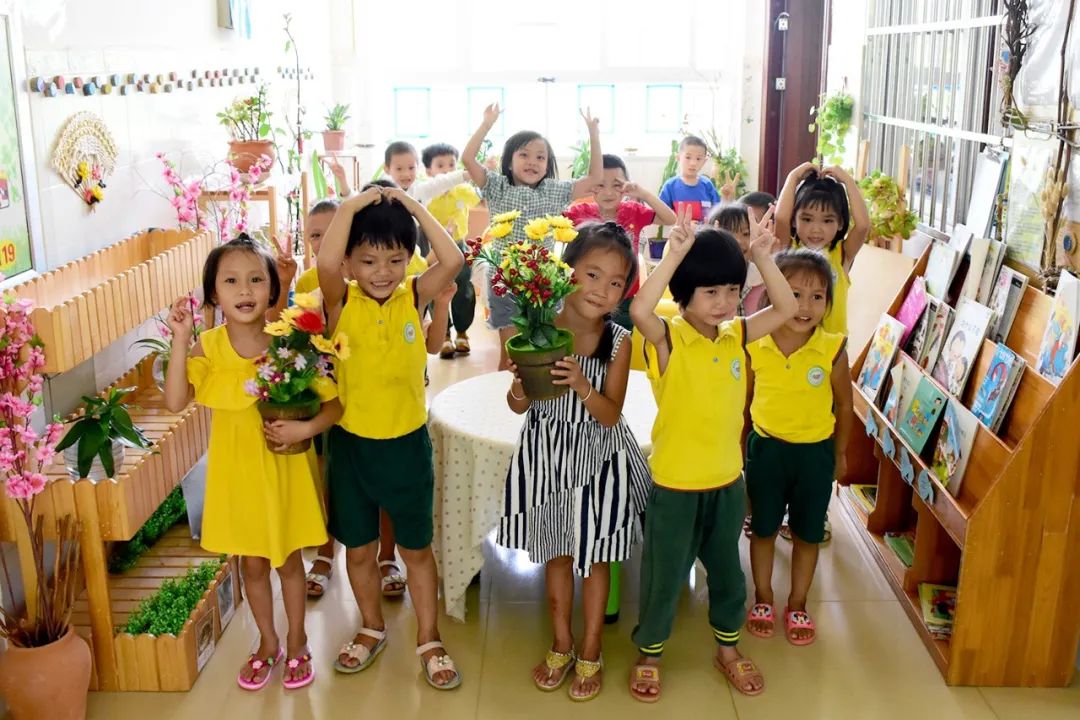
x,y
1058,344
938,603
892,399
993,398
917,340
953,448
940,268
936,335
960,240
913,307
866,495
904,378
879,358
995,256
902,545
1004,301
977,252
919,420
958,353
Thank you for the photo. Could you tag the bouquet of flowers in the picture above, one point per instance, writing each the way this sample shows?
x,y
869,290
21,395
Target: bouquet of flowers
x,y
293,375
537,281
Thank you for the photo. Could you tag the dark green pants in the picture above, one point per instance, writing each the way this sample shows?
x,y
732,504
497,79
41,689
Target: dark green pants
x,y
679,527
463,306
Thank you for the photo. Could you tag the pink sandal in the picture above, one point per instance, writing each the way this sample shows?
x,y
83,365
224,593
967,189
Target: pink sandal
x,y
761,612
798,620
306,679
255,664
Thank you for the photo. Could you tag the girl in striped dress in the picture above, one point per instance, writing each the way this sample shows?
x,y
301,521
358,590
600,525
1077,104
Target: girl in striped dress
x,y
578,482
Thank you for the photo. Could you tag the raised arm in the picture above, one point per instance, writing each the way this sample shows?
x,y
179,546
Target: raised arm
x,y
449,259
178,390
286,270
860,215
332,252
785,204
784,305
643,307
468,155
432,188
585,186
664,214
341,177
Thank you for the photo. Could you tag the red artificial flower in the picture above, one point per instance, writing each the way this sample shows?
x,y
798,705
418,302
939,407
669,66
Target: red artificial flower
x,y
310,322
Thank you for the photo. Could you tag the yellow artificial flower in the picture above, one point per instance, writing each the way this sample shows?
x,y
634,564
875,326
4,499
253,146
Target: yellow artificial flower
x,y
341,346
537,228
98,192
564,234
324,387
83,170
506,217
500,230
560,221
306,301
278,328
322,344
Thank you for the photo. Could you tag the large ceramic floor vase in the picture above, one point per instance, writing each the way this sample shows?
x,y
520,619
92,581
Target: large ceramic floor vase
x,y
50,681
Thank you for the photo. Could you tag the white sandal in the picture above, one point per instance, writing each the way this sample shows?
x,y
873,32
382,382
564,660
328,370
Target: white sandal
x,y
361,652
322,581
437,664
394,578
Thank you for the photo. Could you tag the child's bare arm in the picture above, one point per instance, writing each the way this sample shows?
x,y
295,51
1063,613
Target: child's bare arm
x,y
288,432
436,330
784,305
785,204
332,251
860,215
468,155
433,280
178,390
606,407
664,214
842,399
585,186
643,307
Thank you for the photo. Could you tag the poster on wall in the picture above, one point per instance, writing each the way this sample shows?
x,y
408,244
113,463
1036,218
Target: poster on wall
x,y
14,225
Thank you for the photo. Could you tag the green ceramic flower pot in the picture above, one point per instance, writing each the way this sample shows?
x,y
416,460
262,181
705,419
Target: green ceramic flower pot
x,y
534,365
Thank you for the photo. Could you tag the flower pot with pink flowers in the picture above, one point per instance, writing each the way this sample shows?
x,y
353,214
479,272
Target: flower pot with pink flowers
x,y
248,121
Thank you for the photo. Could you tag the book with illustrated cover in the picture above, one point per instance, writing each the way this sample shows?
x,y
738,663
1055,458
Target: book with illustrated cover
x,y
993,396
977,252
879,358
905,378
916,344
1004,301
995,256
935,337
866,495
892,397
953,448
918,422
940,268
938,603
913,307
958,353
1058,344
902,545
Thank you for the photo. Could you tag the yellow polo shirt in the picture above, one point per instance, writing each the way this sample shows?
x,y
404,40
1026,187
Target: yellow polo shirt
x,y
793,398
453,206
700,400
308,281
381,384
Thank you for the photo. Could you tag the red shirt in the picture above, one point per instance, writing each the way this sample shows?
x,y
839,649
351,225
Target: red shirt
x,y
631,216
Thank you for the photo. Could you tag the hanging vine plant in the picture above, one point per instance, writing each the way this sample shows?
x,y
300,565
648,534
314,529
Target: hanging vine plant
x,y
832,120
889,213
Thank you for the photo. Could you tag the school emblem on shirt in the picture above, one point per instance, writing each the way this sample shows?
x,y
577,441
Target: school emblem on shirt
x,y
736,368
816,375
410,332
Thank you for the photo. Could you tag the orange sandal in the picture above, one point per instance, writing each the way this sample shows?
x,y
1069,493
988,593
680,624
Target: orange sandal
x,y
738,672
648,675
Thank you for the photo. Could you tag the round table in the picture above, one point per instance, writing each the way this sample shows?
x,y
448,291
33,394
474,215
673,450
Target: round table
x,y
474,434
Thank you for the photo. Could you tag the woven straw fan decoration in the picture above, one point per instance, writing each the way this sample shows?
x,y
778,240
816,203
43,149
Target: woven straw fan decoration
x,y
85,155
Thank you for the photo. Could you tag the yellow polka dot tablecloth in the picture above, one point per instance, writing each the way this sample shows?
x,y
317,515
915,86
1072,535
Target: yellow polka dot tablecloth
x,y
474,434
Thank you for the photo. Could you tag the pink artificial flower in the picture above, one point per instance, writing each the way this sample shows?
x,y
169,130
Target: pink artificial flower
x,y
255,173
53,432
300,363
241,226
25,485
45,456
251,388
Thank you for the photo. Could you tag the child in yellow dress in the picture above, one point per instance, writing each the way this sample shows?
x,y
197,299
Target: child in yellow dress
x,y
259,505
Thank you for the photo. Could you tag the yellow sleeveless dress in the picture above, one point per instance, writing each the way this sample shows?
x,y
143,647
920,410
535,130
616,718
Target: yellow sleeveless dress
x,y
257,503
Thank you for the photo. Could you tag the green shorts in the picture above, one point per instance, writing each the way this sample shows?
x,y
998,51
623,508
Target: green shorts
x,y
396,475
796,477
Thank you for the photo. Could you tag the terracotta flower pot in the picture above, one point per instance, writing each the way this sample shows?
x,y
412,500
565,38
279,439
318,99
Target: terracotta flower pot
x,y
333,140
304,408
534,366
47,682
245,153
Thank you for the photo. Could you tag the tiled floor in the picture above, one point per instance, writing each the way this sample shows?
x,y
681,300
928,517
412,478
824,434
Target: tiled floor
x,y
867,663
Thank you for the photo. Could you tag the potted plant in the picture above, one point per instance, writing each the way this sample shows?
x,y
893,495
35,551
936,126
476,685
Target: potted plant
x,y
656,244
94,444
832,120
537,281
333,136
890,219
293,373
45,671
248,121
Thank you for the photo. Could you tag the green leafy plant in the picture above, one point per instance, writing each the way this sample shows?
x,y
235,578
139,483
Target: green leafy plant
x,y
482,153
336,117
166,611
582,157
832,120
726,163
106,419
124,555
889,213
248,119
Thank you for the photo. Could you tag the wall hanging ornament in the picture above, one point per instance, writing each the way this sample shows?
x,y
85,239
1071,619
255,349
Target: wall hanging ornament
x,y
85,155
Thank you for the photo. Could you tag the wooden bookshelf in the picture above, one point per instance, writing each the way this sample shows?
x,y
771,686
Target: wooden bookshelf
x,y
1007,541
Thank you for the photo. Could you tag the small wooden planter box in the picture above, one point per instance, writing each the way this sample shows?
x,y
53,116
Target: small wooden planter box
x,y
89,303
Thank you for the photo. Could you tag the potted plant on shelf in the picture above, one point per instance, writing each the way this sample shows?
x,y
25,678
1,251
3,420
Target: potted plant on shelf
x,y
333,136
293,374
891,221
248,121
537,281
45,671
94,444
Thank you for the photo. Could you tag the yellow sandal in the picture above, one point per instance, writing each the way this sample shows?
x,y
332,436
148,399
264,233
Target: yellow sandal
x,y
556,661
585,669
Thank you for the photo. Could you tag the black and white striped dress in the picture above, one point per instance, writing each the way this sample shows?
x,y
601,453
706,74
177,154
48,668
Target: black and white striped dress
x,y
575,487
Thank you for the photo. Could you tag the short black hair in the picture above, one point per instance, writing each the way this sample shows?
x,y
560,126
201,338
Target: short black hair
x,y
603,236
328,205
614,162
241,243
714,259
437,150
820,192
758,199
398,147
385,224
809,262
517,141
733,217
693,141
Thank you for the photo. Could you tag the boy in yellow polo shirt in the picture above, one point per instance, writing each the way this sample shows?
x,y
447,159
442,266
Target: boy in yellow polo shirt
x,y
379,454
801,414
697,365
